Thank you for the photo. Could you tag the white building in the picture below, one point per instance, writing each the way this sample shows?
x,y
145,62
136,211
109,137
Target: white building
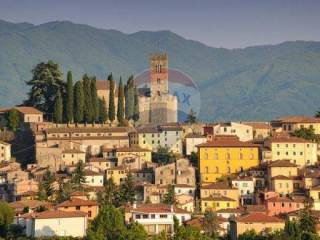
x,y
153,137
191,141
94,179
55,223
245,187
5,151
156,218
242,131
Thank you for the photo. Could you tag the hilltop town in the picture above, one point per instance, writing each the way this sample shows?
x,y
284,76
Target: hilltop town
x,y
99,160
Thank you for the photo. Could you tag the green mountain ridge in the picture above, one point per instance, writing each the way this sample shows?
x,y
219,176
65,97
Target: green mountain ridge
x,y
258,83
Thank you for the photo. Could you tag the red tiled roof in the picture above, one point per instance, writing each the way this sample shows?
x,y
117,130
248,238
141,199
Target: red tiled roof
x,y
289,139
258,217
92,173
282,163
227,142
102,84
258,125
77,202
59,214
298,119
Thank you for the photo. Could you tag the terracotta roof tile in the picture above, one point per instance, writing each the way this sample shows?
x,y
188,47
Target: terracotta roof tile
x,y
227,142
282,163
259,217
217,185
59,214
77,202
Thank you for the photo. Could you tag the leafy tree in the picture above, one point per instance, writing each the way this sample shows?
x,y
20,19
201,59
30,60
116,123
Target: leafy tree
x,y
163,156
129,95
64,191
58,109
161,236
46,186
307,222
127,193
136,110
70,96
78,102
45,84
88,109
317,114
251,235
95,100
193,159
210,224
103,114
13,119
136,231
110,193
6,218
78,176
109,224
111,113
191,117
306,133
170,196
291,229
120,111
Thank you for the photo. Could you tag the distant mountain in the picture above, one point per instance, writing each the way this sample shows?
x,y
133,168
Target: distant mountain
x,y
260,82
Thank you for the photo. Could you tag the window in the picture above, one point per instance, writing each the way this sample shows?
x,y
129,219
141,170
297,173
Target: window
x,y
228,205
158,81
228,156
206,169
153,216
77,207
217,170
206,156
241,156
145,216
163,216
89,214
278,153
138,216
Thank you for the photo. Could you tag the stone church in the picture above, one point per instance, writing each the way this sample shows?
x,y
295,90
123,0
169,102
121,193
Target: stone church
x,y
156,104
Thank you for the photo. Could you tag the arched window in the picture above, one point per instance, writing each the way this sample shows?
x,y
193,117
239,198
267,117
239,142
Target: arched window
x,y
217,170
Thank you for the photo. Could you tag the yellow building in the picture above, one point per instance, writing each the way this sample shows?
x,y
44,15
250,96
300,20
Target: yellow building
x,y
300,151
118,174
291,123
216,203
315,195
286,185
225,155
219,188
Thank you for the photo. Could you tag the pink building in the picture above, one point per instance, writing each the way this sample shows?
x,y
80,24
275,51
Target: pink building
x,y
24,186
278,205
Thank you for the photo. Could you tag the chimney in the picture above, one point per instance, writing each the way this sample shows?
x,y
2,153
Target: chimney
x,y
134,205
171,208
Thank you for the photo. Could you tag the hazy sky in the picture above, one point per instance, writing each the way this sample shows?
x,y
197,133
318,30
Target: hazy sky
x,y
218,23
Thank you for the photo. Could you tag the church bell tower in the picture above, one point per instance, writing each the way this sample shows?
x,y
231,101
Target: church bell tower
x,y
159,74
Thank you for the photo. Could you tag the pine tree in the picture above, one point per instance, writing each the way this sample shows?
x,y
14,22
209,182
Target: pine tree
x,y
103,113
70,96
78,177
191,117
170,196
127,194
136,110
95,100
120,112
58,109
129,95
46,186
78,102
111,99
88,109
13,119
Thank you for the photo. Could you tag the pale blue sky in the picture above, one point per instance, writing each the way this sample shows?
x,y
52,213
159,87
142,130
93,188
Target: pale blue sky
x,y
218,23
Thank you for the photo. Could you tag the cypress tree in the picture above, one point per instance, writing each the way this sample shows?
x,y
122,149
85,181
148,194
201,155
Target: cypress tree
x,y
111,99
95,103
58,108
136,109
103,114
129,98
88,109
78,102
69,105
120,112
